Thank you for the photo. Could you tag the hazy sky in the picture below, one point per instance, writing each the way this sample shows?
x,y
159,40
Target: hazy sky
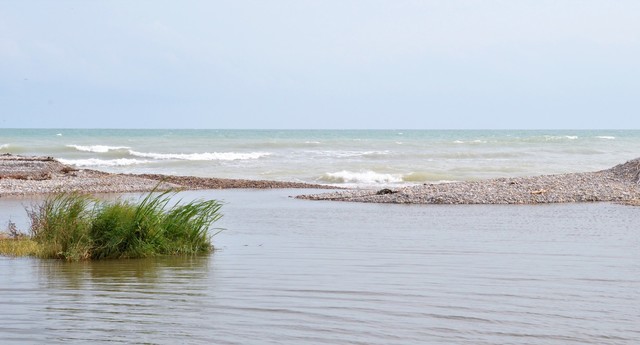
x,y
320,64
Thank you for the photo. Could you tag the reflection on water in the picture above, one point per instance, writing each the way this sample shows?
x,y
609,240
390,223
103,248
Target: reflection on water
x,y
108,301
296,272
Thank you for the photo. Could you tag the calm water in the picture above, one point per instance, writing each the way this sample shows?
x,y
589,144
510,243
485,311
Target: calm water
x,y
290,271
361,158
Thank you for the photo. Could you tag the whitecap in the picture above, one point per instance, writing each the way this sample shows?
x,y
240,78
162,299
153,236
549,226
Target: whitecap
x,y
59,134
207,156
366,177
607,137
98,148
95,162
347,154
4,146
565,137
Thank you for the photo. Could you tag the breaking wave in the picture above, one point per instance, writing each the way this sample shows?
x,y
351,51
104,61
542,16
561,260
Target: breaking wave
x,y
95,162
365,177
98,148
207,156
606,137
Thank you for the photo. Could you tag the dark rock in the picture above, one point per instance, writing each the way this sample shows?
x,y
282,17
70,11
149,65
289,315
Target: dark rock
x,y
385,191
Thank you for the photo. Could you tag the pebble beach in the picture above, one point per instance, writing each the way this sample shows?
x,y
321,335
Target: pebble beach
x,y
618,184
21,175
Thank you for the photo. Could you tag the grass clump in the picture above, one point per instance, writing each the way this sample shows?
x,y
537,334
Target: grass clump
x,y
123,229
76,227
61,226
14,243
18,247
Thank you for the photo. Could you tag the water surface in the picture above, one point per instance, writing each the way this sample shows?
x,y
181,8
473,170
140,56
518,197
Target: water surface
x,y
290,271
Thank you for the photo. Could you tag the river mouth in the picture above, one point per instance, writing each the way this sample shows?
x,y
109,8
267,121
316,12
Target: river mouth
x,y
289,271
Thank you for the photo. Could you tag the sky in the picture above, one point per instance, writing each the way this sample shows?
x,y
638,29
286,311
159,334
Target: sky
x,y
321,64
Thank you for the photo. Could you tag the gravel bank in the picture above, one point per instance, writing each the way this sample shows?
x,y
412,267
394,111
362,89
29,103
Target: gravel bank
x,y
619,184
42,175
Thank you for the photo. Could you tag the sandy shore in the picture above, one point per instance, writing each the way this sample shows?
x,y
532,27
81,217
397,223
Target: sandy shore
x,y
42,175
618,184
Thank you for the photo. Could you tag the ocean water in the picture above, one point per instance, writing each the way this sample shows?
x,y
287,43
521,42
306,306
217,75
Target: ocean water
x,y
337,157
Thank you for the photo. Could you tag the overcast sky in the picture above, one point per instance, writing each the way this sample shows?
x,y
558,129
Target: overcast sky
x,y
454,64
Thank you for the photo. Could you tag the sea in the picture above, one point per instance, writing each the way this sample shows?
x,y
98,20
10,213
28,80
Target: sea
x,y
337,157
292,271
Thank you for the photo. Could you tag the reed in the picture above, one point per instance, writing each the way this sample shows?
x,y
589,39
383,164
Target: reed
x,y
76,227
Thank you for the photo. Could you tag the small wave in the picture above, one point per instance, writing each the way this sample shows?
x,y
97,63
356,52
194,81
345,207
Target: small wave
x,y
562,137
98,148
312,142
4,146
348,154
207,156
95,162
606,137
366,177
477,141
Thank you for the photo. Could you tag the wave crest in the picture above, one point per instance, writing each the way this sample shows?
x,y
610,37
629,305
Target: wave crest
x,y
366,177
95,162
207,156
98,148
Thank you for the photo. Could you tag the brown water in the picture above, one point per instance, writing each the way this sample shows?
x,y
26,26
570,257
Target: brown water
x,y
300,272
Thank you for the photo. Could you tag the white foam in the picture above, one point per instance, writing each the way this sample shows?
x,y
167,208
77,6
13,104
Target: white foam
x,y
4,146
347,154
365,177
207,156
607,137
98,148
95,162
564,137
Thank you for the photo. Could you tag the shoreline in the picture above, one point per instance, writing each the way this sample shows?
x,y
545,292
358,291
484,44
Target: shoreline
x,y
618,184
27,176
24,176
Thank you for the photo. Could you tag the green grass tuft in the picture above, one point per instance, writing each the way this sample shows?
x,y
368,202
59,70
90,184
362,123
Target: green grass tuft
x,y
76,227
61,226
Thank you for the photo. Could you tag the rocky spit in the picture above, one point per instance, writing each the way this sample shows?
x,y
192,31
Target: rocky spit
x,y
618,184
21,175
